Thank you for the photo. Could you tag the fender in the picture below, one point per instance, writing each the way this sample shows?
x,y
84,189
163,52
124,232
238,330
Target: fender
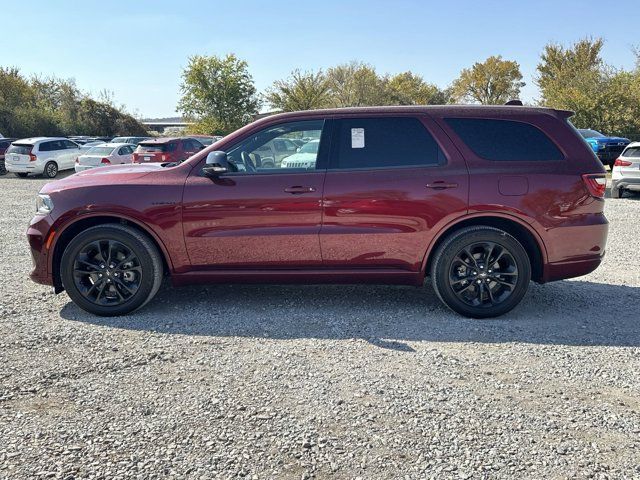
x,y
486,214
93,214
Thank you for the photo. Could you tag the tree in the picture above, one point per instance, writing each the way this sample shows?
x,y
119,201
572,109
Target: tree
x,y
410,89
218,92
493,82
301,91
355,85
576,78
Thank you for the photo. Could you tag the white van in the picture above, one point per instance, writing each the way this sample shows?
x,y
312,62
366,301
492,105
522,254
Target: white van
x,y
41,156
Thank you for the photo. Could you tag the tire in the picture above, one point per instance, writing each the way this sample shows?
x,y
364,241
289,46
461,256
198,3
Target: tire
x,y
50,170
121,289
616,192
469,284
22,175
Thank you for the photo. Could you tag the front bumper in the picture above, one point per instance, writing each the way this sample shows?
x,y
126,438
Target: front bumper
x,y
39,236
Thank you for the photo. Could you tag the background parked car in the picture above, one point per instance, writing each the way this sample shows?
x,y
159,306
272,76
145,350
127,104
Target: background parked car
x,y
207,140
272,152
130,140
304,158
105,154
4,144
625,174
166,150
606,148
41,155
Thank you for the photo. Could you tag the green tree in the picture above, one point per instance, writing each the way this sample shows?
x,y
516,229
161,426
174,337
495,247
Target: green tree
x,y
356,84
576,78
410,89
218,92
493,82
301,91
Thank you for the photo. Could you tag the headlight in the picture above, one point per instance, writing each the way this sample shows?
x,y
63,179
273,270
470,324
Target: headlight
x,y
601,146
44,205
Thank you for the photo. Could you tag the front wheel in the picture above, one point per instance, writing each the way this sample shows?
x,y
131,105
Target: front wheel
x,y
111,270
481,272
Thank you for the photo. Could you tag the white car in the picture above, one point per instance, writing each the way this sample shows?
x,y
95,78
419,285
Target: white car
x,y
41,156
105,154
304,158
625,174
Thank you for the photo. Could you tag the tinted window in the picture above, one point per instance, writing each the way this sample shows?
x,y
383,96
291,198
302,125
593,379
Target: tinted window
x,y
70,144
385,142
48,146
20,148
4,144
505,140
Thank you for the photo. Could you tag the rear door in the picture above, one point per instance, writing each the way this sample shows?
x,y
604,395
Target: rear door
x,y
392,182
68,155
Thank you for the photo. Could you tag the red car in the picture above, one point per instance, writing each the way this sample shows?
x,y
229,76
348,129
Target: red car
x,y
481,199
166,150
4,144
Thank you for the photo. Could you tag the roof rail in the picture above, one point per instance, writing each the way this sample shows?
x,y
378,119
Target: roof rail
x,y
514,102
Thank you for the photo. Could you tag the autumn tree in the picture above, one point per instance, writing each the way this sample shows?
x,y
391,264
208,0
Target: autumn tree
x,y
493,82
576,78
218,93
356,84
301,91
408,88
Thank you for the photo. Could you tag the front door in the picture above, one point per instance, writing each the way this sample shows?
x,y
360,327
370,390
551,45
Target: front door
x,y
255,216
389,182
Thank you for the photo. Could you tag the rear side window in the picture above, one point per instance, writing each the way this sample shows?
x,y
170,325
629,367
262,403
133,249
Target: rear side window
x,y
633,152
4,145
505,140
385,142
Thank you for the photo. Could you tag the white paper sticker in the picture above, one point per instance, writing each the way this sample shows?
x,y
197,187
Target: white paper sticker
x,y
357,138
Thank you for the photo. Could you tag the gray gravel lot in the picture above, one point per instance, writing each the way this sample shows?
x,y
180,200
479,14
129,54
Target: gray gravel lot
x,y
320,381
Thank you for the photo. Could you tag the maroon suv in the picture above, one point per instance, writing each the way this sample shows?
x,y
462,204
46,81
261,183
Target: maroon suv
x,y
481,199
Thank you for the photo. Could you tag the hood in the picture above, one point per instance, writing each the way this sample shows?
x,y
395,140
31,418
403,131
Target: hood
x,y
103,176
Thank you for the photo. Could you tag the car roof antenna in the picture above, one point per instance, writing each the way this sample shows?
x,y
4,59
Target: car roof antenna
x,y
514,102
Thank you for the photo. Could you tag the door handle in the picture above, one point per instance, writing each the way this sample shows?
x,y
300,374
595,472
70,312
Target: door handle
x,y
298,189
442,185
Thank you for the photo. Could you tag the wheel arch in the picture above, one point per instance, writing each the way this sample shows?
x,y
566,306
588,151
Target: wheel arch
x,y
523,232
71,229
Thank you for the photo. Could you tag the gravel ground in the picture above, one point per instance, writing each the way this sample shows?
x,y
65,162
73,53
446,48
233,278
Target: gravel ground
x,y
320,381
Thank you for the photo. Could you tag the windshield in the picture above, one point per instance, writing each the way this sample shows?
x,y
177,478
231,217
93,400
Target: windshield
x,y
205,141
311,147
99,151
590,134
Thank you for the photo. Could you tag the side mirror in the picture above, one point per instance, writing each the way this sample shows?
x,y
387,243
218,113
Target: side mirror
x,y
216,164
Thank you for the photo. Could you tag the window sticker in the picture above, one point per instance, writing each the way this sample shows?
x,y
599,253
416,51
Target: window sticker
x,y
357,138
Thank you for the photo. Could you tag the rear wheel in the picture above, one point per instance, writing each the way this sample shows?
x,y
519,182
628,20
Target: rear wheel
x,y
111,270
481,272
50,170
22,175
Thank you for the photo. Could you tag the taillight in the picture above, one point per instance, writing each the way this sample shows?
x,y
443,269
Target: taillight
x,y
105,161
32,157
622,163
134,158
164,158
77,160
596,183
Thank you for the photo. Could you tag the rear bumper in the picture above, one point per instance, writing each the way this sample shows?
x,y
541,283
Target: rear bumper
x,y
577,249
22,168
627,183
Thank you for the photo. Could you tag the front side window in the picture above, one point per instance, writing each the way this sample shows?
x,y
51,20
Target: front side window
x,y
384,142
272,151
505,140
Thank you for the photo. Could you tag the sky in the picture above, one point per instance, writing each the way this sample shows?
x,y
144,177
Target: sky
x,y
137,49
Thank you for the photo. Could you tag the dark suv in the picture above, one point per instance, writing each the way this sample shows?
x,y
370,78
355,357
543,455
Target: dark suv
x,y
481,199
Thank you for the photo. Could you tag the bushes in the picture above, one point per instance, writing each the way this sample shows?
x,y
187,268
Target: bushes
x,y
54,107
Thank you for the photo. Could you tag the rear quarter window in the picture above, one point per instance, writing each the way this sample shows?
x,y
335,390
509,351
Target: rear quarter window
x,y
505,140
